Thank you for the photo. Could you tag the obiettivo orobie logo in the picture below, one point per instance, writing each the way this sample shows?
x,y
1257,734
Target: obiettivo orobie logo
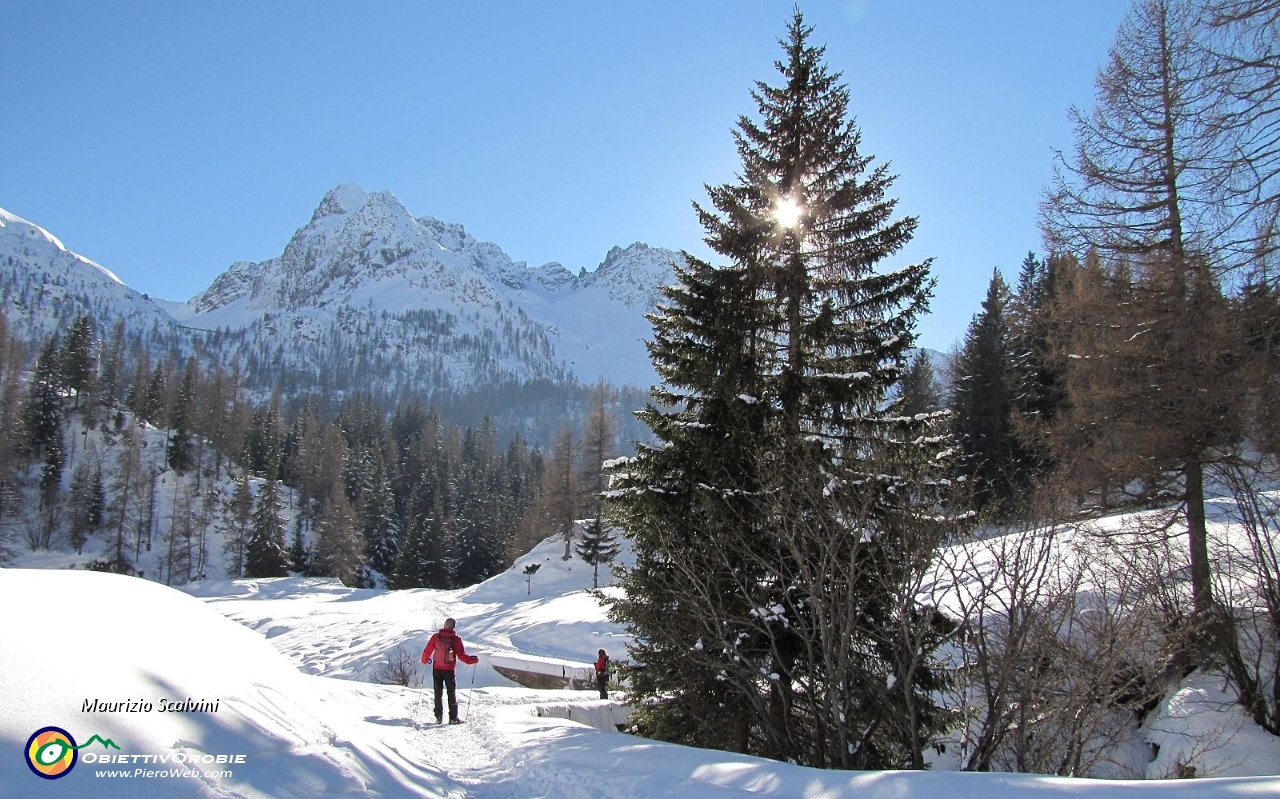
x,y
51,752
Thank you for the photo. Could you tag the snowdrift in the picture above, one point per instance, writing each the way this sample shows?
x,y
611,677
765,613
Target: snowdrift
x,y
137,649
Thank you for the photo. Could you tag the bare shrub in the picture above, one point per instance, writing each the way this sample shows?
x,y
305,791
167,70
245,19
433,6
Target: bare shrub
x,y
1247,634
398,669
1062,649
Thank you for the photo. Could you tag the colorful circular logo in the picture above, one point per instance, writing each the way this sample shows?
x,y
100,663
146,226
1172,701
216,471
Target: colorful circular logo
x,y
51,752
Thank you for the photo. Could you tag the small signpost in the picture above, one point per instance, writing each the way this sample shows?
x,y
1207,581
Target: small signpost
x,y
529,571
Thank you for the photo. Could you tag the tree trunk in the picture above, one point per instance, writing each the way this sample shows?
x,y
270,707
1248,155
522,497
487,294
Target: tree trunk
x,y
1198,539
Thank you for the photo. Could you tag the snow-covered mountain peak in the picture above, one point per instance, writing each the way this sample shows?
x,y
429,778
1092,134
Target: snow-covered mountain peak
x,y
25,229
341,200
366,290
631,275
553,276
621,259
22,230
349,210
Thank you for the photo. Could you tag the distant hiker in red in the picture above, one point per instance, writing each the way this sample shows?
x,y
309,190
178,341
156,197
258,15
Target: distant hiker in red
x,y
602,674
443,650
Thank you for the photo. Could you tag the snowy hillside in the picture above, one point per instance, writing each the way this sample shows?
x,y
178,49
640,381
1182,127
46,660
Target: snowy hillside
x,y
290,711
44,286
455,310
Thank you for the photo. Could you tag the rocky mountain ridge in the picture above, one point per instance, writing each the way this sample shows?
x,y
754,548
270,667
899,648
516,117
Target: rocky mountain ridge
x,y
367,296
365,258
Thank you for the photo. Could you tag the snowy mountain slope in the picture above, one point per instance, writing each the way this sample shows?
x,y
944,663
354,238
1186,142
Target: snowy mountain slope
x,y
597,320
154,555
364,264
44,286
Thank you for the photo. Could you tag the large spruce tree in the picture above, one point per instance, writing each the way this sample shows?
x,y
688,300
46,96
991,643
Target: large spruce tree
x,y
983,399
784,517
691,505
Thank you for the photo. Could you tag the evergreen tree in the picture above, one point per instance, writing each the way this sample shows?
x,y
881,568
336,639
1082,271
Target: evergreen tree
x,y
88,504
44,410
45,415
597,545
301,561
1259,312
76,359
689,504
787,513
983,404
136,398
919,386
265,554
339,550
51,471
375,518
1038,396
239,516
421,561
480,543
153,398
524,476
111,381
264,448
179,453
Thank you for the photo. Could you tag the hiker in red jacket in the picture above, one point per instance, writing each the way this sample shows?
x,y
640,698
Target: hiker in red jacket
x,y
602,674
443,650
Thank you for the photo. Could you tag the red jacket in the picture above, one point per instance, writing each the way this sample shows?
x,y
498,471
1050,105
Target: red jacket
x,y
443,647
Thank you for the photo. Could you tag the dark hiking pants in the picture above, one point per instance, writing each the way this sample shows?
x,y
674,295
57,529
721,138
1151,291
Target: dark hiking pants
x,y
443,678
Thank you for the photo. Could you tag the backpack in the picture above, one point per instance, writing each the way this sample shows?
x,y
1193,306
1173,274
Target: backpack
x,y
443,653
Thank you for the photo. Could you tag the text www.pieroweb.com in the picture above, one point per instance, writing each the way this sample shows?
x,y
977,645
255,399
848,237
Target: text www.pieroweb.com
x,y
162,773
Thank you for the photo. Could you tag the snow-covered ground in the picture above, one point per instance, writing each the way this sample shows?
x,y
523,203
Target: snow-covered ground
x,y
280,676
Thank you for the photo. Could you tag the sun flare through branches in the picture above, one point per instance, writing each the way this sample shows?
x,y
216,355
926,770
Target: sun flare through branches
x,y
787,211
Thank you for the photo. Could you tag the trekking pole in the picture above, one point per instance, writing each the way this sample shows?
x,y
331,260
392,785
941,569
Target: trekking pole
x,y
418,706
471,689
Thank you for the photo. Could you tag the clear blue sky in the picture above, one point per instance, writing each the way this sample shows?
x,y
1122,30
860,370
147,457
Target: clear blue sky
x,y
167,140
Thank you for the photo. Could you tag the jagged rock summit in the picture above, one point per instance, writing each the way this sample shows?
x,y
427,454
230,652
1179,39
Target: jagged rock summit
x,y
455,310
